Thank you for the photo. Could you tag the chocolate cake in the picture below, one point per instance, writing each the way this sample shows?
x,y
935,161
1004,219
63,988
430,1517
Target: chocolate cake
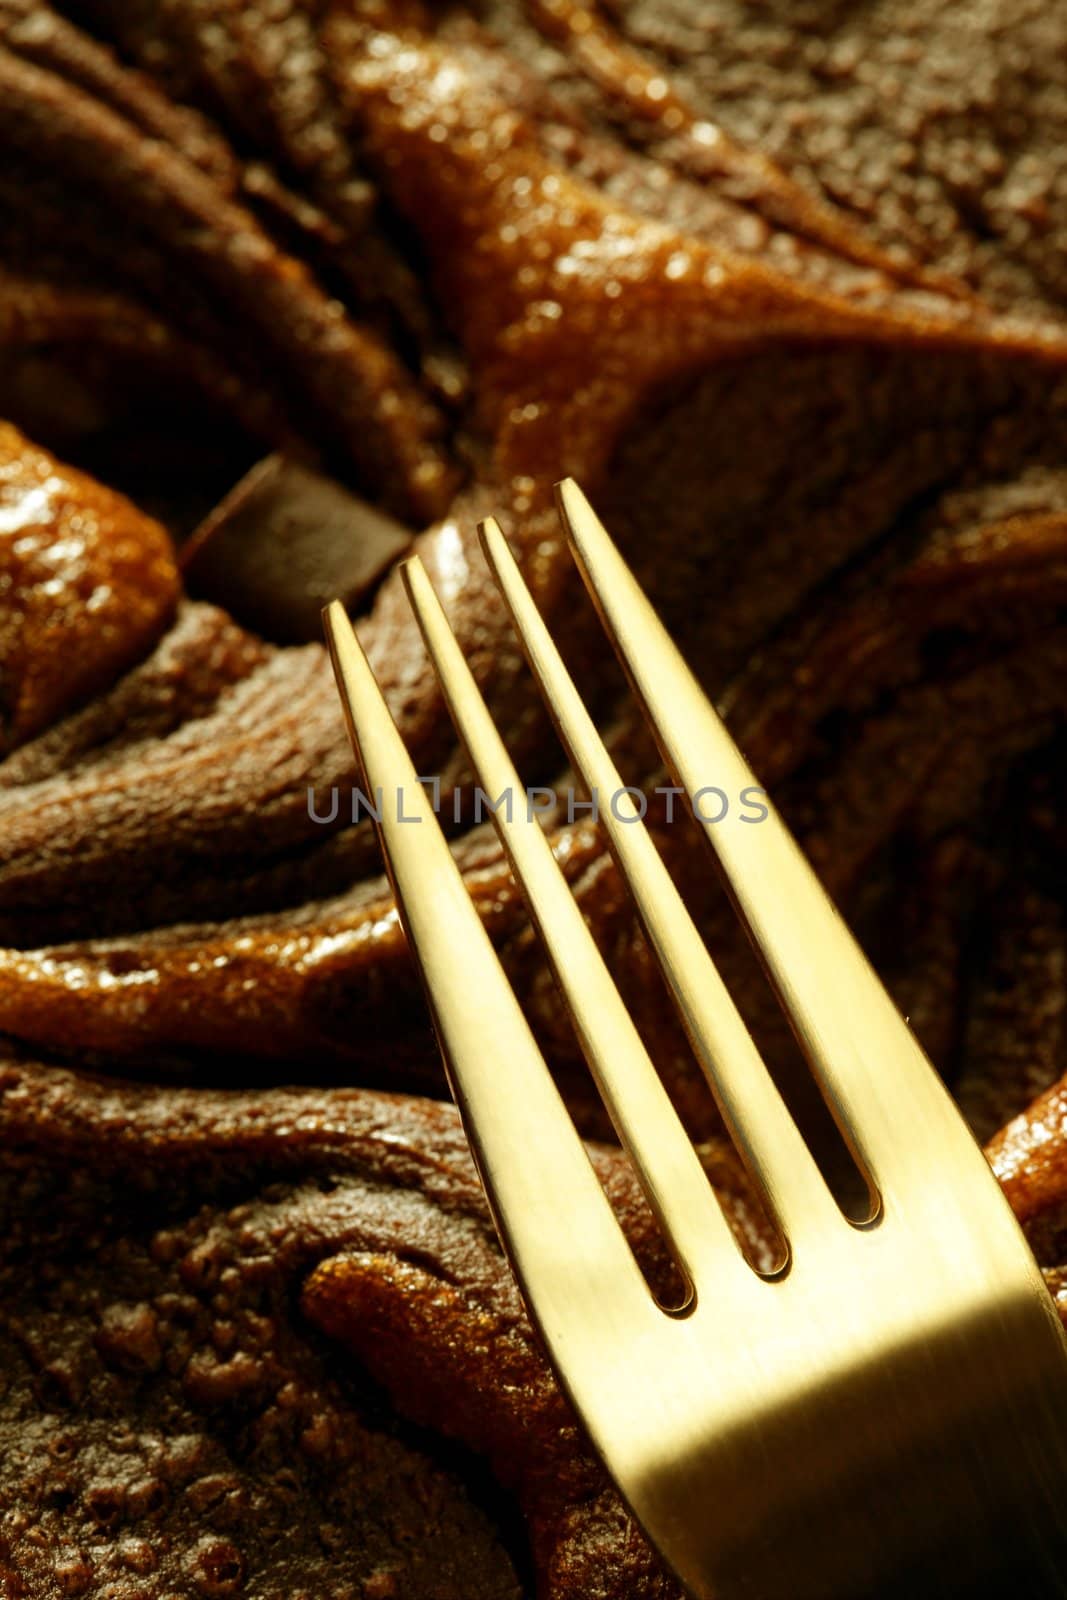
x,y
784,287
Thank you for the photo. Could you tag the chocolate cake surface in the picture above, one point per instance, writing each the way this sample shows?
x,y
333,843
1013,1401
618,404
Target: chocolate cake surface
x,y
784,288
203,1293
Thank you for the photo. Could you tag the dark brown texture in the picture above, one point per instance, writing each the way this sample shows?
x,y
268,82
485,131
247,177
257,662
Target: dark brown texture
x,y
783,287
201,1292
171,1422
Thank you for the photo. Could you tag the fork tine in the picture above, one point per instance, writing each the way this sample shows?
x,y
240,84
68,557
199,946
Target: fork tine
x,y
892,1108
674,1182
761,1125
564,1241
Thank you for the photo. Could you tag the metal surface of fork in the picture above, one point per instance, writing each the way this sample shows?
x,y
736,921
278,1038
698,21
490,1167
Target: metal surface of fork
x,y
888,1413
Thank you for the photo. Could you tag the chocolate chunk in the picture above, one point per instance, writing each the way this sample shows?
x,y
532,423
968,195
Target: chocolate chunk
x,y
283,543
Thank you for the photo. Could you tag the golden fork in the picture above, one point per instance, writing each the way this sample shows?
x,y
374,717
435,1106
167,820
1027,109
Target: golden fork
x,y
889,1410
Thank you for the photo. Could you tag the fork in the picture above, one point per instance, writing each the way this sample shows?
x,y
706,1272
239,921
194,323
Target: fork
x,y
887,1410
